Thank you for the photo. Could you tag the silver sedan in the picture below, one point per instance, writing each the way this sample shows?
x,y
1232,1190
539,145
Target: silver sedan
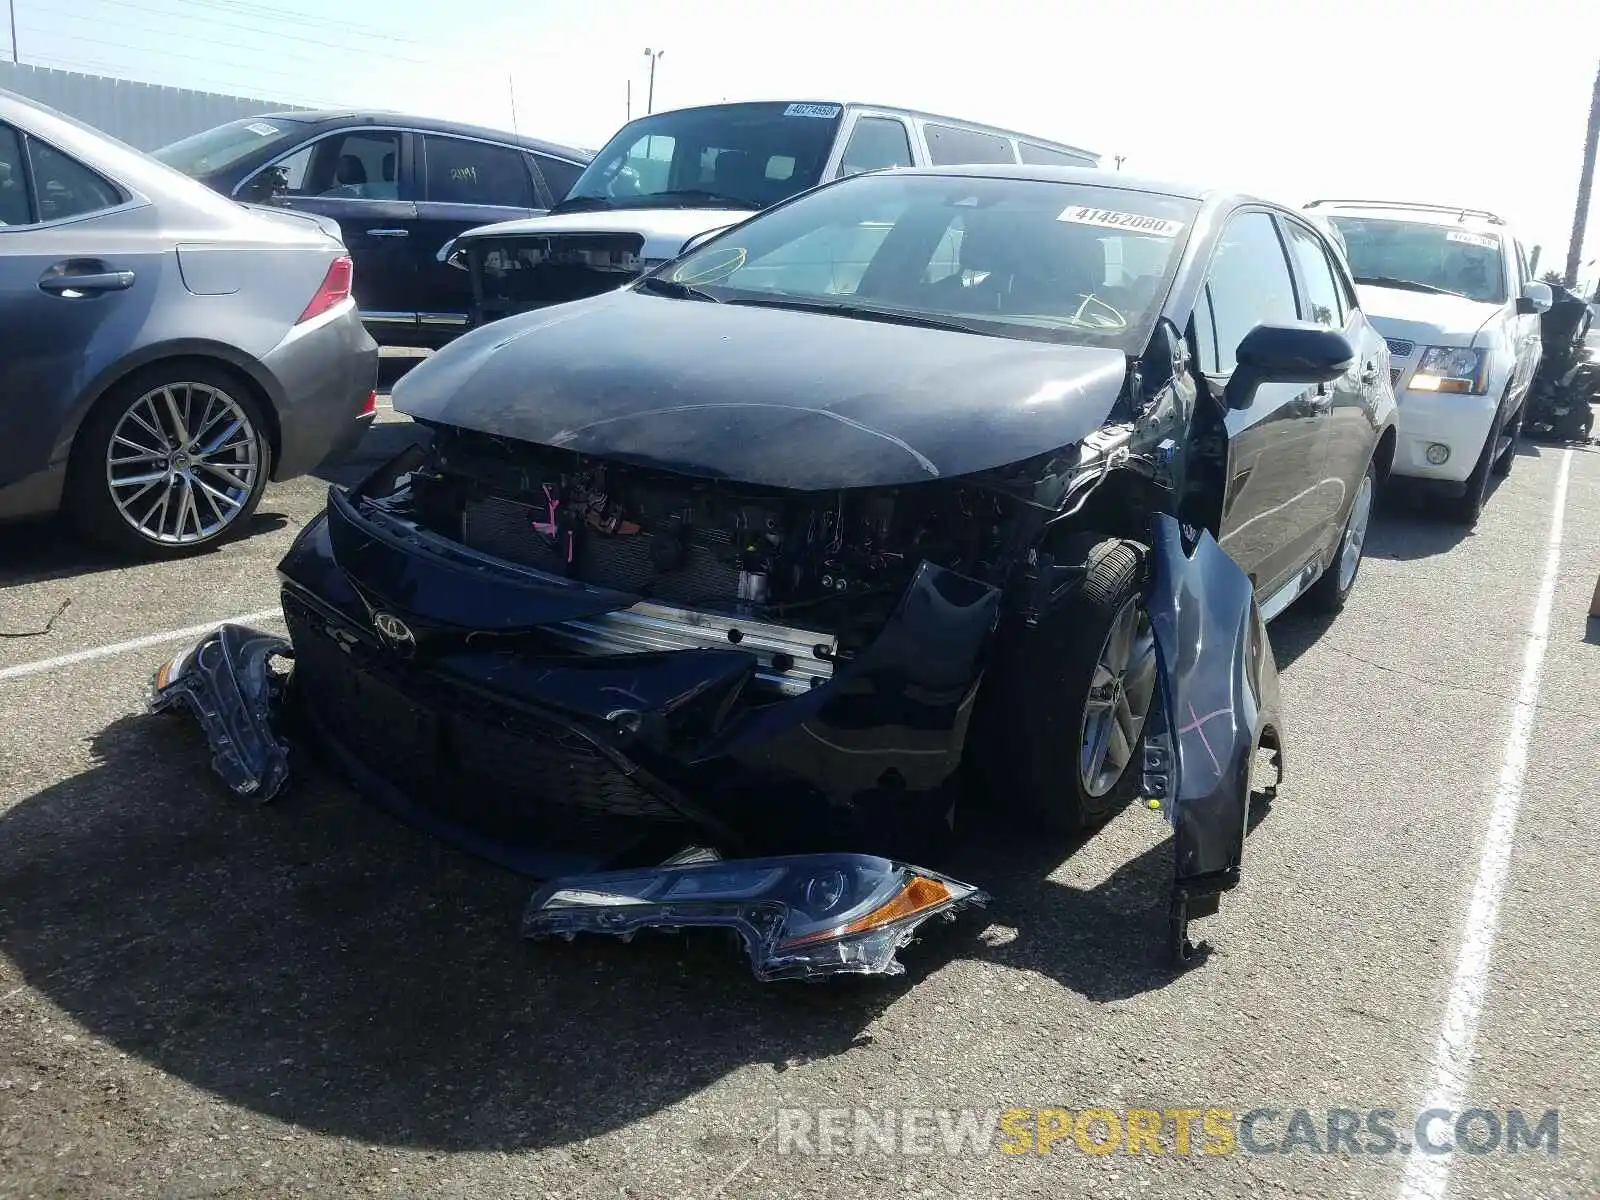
x,y
166,351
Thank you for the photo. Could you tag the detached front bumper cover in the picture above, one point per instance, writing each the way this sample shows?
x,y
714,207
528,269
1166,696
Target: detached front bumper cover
x,y
807,916
226,680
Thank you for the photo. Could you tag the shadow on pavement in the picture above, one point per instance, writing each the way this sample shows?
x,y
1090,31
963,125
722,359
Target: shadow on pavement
x,y
1410,524
317,962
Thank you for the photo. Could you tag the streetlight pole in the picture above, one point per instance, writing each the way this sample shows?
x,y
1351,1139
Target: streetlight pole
x,y
650,99
11,6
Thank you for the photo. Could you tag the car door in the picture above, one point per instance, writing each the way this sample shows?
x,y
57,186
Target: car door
x,y
1327,298
359,176
1275,446
1528,329
465,183
79,271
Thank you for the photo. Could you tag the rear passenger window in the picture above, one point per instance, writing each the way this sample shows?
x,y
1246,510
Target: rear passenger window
x,y
559,175
1321,302
950,146
1045,156
463,172
1249,284
14,207
876,144
64,187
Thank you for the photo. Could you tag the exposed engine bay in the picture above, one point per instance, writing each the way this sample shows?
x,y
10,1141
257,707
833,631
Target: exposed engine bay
x,y
673,539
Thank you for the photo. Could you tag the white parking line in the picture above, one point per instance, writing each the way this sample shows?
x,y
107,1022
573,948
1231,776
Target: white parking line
x,y
1427,1176
142,643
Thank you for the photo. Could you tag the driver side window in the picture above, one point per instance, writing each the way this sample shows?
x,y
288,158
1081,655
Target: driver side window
x,y
1248,285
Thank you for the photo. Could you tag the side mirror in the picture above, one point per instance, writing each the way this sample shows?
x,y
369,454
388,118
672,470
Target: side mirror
x,y
1536,298
452,256
1295,353
699,240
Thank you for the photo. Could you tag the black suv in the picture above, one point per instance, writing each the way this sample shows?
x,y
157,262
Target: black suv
x,y
400,188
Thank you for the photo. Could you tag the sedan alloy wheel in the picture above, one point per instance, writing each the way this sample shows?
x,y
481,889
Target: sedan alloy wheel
x,y
183,462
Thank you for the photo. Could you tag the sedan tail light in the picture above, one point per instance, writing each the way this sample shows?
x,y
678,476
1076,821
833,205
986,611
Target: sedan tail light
x,y
335,289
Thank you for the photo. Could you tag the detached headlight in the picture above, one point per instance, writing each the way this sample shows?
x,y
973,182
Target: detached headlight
x,y
804,916
1451,369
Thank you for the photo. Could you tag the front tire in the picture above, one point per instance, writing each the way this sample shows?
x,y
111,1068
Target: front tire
x,y
1466,508
1508,459
1332,589
173,460
1062,717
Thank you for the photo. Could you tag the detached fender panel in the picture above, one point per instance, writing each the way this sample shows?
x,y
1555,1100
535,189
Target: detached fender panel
x,y
1219,704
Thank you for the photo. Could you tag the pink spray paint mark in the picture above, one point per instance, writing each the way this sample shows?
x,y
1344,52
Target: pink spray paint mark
x,y
548,526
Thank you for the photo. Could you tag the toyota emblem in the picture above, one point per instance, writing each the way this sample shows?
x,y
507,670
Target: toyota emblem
x,y
393,630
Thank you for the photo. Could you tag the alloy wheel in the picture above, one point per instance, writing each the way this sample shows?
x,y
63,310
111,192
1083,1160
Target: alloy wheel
x,y
182,463
1119,700
1355,534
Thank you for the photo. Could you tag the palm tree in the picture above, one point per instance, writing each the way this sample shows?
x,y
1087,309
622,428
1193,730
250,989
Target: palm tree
x,y
1580,216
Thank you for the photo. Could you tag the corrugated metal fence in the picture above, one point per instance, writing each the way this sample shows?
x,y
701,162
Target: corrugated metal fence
x,y
145,115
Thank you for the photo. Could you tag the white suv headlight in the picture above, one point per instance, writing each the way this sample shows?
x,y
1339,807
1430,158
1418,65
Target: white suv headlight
x,y
1452,369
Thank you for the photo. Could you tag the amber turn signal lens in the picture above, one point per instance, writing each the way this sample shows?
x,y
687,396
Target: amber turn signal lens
x,y
918,895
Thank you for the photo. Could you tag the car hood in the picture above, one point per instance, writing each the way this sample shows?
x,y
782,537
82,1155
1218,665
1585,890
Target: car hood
x,y
765,396
664,230
1425,319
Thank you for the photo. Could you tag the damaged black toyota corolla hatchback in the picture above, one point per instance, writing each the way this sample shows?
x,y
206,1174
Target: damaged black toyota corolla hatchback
x,y
927,485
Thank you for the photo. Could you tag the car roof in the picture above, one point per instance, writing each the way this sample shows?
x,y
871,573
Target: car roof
x,y
898,110
378,116
129,167
1477,219
1094,177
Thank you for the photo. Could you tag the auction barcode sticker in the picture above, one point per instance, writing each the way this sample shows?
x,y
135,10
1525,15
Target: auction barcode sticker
x,y
1080,214
1471,239
825,111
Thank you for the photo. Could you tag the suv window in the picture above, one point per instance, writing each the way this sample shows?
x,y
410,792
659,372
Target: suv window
x,y
1321,301
876,143
559,175
464,172
64,187
1046,156
14,206
1249,284
950,146
360,165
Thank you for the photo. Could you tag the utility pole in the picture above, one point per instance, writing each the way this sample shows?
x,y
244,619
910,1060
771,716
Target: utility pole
x,y
650,99
1580,215
1119,159
11,6
630,100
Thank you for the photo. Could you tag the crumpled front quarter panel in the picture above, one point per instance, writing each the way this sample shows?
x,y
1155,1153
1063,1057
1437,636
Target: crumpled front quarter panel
x,y
1219,691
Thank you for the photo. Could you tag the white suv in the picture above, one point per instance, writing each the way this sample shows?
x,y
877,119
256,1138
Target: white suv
x,y
1451,291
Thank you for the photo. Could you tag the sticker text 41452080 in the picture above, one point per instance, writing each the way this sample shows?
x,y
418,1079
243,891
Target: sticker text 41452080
x,y
1083,214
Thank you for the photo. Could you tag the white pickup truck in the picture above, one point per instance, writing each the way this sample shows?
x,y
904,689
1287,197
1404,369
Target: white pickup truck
x,y
1452,292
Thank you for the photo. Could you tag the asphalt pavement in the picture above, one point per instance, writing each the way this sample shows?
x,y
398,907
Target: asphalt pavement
x,y
200,996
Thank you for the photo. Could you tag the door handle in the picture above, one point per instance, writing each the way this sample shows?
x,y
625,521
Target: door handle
x,y
76,287
1369,373
386,233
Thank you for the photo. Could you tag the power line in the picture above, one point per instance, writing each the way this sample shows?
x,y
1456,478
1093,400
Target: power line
x,y
207,60
211,23
241,8
99,67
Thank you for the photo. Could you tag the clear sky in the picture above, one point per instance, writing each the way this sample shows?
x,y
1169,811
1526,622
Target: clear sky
x,y
1465,102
